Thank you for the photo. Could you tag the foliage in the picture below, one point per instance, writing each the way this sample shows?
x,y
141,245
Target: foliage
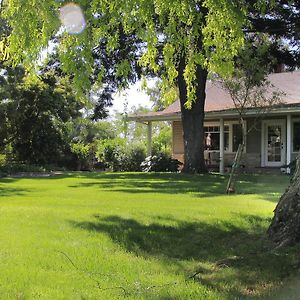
x,y
135,155
84,130
162,27
160,163
162,138
2,159
281,24
110,152
36,115
248,85
157,95
82,153
119,156
16,167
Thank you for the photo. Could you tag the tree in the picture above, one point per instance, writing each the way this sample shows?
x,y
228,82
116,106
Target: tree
x,y
249,88
156,95
191,36
282,23
36,115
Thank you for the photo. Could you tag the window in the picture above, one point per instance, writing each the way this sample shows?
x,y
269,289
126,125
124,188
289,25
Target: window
x,y
237,136
212,138
296,136
232,136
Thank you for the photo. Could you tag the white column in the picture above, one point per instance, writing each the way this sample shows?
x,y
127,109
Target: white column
x,y
149,136
288,141
221,166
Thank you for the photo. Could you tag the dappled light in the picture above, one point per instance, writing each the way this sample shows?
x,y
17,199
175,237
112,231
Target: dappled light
x,y
238,257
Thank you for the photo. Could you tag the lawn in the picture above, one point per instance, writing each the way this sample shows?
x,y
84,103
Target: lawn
x,y
142,236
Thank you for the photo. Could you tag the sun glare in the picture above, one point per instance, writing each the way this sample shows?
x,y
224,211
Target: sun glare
x,y
72,18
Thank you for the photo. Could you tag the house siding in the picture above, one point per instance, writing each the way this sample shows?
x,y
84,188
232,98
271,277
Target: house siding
x,y
177,136
254,136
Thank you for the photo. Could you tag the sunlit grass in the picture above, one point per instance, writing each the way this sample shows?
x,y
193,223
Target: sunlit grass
x,y
139,236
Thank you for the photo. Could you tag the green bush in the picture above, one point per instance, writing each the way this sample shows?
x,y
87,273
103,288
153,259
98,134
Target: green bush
x,y
84,154
117,155
160,163
17,167
109,152
2,160
133,157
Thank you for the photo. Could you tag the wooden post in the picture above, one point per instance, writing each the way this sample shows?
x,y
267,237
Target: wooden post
x,y
149,141
288,141
221,165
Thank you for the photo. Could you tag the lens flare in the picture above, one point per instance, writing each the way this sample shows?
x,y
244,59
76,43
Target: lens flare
x,y
72,18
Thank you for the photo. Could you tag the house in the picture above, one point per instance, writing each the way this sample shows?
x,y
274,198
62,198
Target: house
x,y
274,141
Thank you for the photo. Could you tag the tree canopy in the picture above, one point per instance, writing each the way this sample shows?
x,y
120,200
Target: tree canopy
x,y
179,40
172,27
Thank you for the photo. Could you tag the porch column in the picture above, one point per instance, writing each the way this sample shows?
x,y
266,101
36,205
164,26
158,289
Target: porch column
x,y
288,141
149,138
221,166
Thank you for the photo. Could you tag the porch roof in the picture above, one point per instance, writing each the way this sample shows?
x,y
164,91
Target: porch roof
x,y
219,104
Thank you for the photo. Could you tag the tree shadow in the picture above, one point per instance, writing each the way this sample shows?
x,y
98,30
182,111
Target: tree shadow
x,y
208,185
6,190
243,250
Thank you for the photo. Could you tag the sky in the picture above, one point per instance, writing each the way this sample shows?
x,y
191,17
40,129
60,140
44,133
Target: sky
x,y
134,95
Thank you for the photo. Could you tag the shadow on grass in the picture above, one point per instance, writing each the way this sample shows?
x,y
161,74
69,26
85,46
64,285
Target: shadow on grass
x,y
7,191
270,187
224,246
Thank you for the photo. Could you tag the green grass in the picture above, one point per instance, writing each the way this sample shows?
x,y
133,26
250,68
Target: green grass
x,y
141,236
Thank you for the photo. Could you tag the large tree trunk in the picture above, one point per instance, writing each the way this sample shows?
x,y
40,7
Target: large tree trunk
x,y
285,227
192,122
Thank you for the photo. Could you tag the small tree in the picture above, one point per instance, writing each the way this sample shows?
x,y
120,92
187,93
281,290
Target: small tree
x,y
249,88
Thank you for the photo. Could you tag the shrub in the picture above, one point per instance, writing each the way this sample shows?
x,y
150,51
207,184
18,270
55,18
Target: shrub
x,y
160,163
2,159
83,154
118,156
133,157
18,167
109,152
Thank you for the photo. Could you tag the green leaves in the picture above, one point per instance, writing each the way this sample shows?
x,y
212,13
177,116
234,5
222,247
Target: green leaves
x,y
166,29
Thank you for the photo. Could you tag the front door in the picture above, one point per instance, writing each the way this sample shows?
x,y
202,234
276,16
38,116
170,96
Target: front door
x,y
274,143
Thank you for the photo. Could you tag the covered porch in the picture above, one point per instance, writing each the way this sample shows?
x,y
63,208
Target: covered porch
x,y
273,141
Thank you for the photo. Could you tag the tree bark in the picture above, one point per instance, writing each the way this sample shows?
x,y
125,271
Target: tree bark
x,y
192,121
285,227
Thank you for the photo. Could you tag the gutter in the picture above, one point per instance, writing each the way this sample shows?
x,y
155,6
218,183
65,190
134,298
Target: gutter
x,y
215,114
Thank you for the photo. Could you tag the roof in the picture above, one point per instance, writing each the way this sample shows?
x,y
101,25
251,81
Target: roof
x,y
218,101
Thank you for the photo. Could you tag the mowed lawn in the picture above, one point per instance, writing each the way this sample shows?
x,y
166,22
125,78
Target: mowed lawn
x,y
142,236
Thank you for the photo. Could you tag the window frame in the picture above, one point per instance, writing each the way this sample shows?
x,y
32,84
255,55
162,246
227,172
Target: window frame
x,y
230,125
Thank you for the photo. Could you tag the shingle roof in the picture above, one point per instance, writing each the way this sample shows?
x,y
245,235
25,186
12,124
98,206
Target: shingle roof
x,y
217,99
